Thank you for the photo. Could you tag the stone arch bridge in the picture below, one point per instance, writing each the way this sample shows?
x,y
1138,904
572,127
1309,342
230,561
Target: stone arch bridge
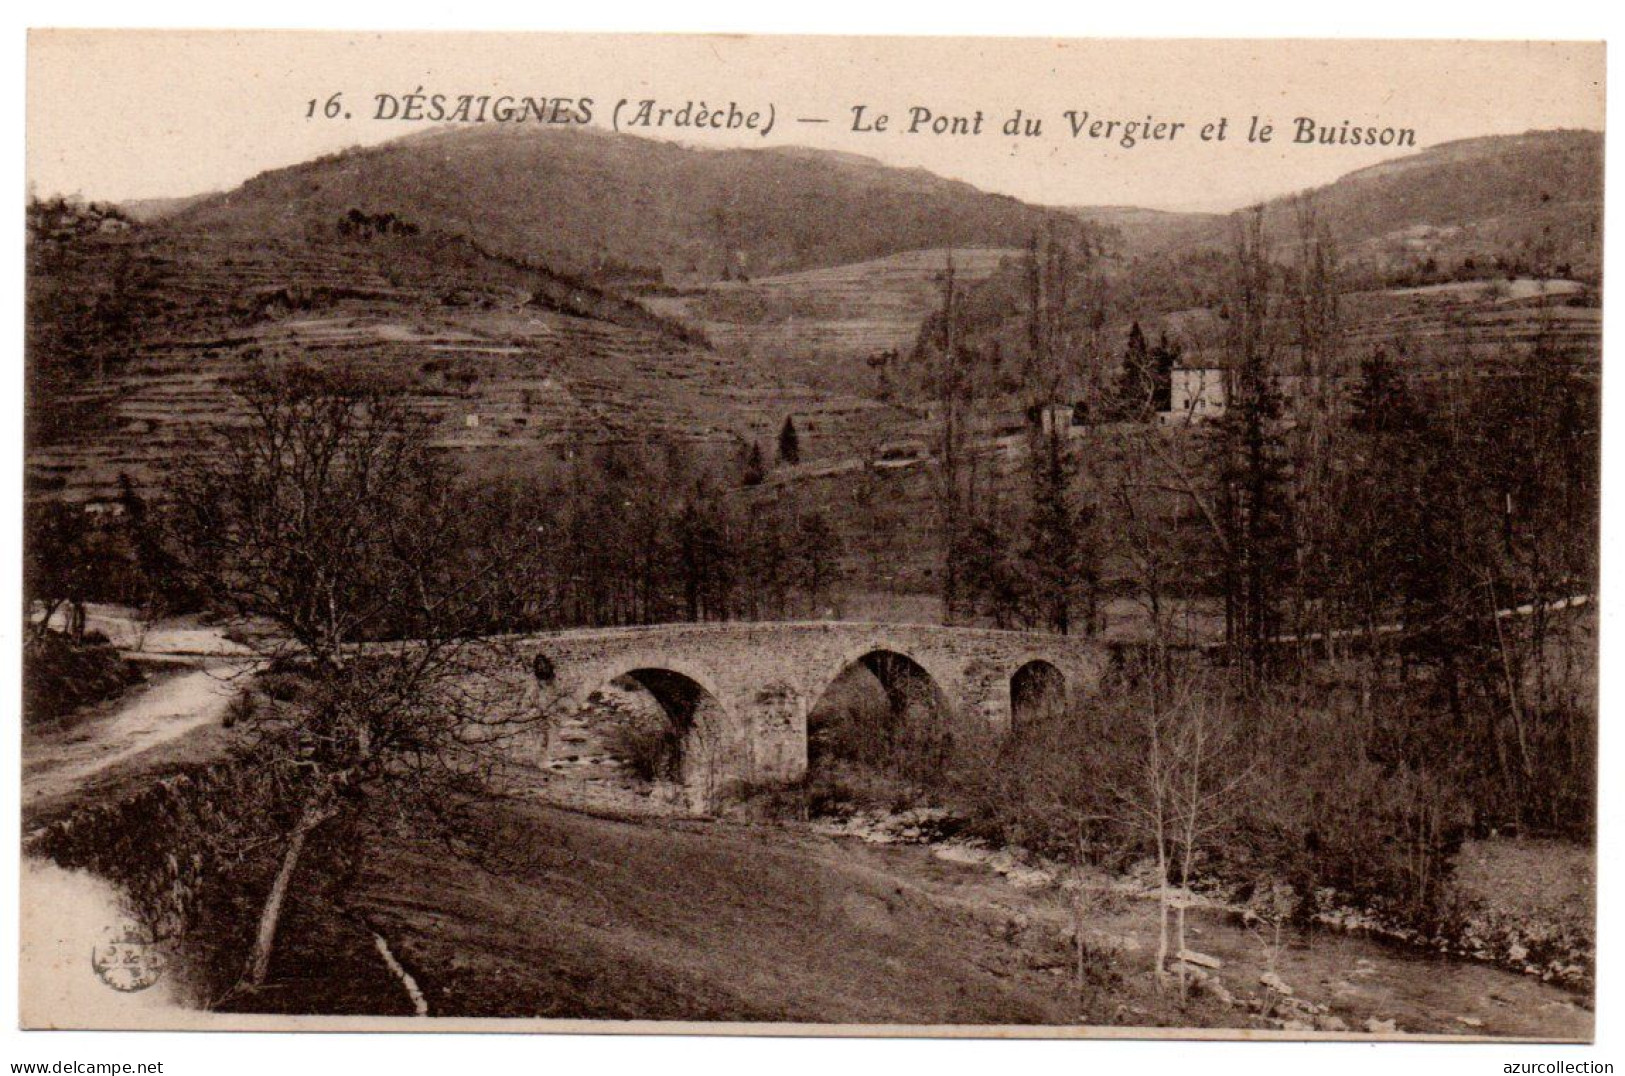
x,y
738,694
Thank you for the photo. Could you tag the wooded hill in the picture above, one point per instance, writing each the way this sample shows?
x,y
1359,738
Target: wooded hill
x,y
1534,198
627,208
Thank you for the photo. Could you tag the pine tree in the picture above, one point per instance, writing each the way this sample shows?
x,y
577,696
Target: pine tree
x,y
1253,496
789,442
1163,359
816,555
1381,402
754,468
1058,564
1138,384
992,571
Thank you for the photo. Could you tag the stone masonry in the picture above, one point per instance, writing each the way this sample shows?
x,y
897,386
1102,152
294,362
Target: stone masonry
x,y
740,692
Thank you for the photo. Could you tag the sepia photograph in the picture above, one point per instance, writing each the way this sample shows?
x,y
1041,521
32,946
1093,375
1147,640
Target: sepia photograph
x,y
832,536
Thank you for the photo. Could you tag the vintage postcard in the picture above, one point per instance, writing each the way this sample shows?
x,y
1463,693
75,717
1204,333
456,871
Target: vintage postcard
x,y
842,536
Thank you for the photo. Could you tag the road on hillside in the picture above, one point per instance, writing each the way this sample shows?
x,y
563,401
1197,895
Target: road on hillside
x,y
59,761
205,671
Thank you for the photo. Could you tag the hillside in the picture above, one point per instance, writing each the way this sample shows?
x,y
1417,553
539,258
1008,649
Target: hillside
x,y
1455,254
627,209
1140,230
524,285
490,272
822,326
1535,197
135,338
148,210
1532,200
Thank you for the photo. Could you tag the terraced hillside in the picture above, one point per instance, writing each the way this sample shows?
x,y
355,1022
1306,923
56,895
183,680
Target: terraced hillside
x,y
490,272
432,260
507,359
821,326
1479,323
1472,324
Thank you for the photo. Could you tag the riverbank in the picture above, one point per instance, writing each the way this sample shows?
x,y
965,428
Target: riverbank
x,y
597,918
1526,906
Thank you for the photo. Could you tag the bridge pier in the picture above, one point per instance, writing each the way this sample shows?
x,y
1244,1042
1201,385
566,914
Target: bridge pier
x,y
776,716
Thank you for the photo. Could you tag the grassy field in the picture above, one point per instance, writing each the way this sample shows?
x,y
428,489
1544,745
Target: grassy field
x,y
693,921
600,918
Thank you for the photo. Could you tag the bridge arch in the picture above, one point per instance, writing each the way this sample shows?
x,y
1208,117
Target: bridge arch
x,y
895,661
907,708
1038,690
698,723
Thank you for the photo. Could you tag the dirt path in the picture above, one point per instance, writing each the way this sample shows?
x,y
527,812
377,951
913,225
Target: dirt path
x,y
195,672
174,638
57,762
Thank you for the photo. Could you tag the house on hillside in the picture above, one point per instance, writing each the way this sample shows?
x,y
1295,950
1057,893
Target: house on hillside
x,y
1196,394
1057,419
1199,392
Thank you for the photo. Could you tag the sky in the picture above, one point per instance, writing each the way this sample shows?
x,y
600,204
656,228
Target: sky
x,y
117,115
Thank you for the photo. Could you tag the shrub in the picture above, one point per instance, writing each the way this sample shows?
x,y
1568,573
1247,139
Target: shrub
x,y
60,676
1097,965
241,709
286,685
648,745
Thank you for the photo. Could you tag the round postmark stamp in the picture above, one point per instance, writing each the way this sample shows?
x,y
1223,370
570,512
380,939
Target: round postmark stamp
x,y
128,958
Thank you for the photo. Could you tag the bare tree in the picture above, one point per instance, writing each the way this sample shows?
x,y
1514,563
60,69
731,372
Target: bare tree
x,y
1176,787
1253,501
1203,780
953,385
326,520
